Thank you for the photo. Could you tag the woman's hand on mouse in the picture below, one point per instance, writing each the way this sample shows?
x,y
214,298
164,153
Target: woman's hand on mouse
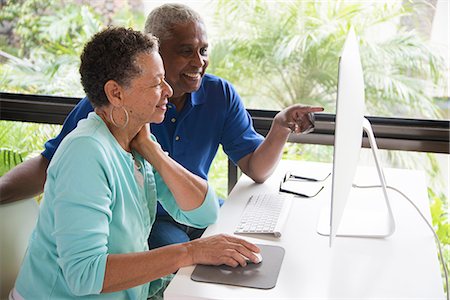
x,y
222,249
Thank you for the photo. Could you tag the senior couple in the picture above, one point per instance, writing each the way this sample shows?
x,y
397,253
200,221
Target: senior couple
x,y
111,191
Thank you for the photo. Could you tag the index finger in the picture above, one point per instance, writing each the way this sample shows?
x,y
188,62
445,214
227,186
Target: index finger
x,y
313,108
252,247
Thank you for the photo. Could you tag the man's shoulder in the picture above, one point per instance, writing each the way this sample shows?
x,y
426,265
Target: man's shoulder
x,y
215,85
91,137
85,105
80,111
211,80
215,91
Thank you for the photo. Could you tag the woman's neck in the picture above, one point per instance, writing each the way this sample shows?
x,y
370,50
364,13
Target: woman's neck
x,y
122,135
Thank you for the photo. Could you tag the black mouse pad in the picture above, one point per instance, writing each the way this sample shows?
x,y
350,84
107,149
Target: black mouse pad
x,y
261,276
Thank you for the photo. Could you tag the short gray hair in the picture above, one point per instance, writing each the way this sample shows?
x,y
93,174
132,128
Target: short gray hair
x,y
161,20
111,55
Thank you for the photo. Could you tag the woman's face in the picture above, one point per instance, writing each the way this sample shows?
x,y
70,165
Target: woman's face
x,y
146,97
185,57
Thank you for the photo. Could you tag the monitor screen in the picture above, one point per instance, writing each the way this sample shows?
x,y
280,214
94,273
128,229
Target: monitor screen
x,y
348,129
349,125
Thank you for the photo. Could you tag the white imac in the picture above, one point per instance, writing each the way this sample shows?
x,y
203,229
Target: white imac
x,y
342,216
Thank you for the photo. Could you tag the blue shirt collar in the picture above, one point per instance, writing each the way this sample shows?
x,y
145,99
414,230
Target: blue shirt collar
x,y
197,97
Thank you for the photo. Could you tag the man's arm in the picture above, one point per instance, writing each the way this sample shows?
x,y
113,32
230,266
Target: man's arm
x,y
24,181
261,163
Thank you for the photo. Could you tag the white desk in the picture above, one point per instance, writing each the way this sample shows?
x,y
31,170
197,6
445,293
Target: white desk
x,y
403,266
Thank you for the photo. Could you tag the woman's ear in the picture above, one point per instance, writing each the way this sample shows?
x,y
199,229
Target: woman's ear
x,y
114,92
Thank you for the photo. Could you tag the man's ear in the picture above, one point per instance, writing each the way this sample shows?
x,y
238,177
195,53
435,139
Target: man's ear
x,y
114,92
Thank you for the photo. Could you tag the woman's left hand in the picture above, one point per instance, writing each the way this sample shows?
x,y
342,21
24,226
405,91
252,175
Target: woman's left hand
x,y
221,249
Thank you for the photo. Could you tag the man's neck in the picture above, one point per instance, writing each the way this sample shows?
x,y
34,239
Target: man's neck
x,y
178,102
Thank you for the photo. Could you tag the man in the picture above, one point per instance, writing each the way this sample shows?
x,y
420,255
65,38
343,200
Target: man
x,y
203,112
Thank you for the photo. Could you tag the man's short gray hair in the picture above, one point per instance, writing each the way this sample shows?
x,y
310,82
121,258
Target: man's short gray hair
x,y
161,20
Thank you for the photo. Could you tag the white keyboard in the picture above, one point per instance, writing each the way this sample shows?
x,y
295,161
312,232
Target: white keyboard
x,y
265,213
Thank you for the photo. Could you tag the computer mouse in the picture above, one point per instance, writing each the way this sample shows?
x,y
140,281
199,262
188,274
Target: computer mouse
x,y
257,255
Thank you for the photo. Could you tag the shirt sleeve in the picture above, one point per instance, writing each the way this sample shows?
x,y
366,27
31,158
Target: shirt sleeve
x,y
239,137
80,111
82,213
200,217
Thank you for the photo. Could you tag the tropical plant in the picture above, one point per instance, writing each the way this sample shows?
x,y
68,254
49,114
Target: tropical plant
x,y
287,52
20,140
51,34
51,43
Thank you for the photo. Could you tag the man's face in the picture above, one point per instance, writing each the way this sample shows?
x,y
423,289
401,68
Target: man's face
x,y
185,57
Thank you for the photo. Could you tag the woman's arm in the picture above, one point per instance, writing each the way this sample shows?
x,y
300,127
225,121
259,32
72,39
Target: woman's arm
x,y
125,271
183,184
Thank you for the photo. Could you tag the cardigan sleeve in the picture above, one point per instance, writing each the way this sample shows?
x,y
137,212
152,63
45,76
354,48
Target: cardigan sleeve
x,y
200,217
82,205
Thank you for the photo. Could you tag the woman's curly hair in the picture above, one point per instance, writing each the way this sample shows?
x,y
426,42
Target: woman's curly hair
x,y
111,55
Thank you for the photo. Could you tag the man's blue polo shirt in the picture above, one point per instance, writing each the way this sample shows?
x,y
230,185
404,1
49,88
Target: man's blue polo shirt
x,y
212,115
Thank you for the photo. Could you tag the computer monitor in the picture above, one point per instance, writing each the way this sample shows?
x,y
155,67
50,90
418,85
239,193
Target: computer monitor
x,y
338,218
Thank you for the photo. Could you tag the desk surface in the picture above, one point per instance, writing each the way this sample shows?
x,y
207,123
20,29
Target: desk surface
x,y
404,265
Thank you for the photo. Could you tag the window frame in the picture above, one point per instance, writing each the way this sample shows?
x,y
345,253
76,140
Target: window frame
x,y
420,135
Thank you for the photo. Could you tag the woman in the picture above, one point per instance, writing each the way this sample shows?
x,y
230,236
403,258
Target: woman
x,y
100,196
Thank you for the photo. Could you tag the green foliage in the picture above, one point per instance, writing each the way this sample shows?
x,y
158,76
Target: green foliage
x,y
52,35
287,52
61,27
439,215
25,15
9,159
218,174
439,208
19,140
308,152
51,43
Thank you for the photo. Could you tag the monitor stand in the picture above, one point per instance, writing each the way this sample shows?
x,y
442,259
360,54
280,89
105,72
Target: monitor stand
x,y
360,220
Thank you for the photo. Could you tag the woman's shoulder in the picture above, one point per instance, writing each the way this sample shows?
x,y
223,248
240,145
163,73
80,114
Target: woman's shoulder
x,y
90,134
92,128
